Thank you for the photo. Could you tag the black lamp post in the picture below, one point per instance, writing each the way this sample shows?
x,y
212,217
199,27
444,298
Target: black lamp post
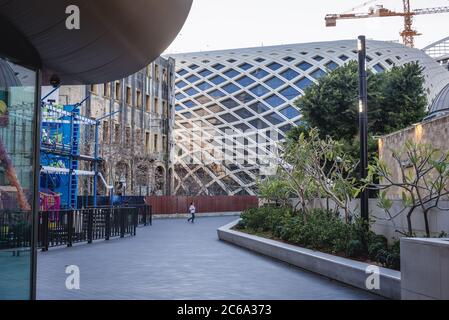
x,y
363,124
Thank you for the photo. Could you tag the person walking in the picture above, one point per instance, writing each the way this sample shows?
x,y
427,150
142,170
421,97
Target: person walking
x,y
192,211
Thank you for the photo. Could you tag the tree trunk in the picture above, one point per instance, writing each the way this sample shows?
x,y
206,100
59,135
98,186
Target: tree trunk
x,y
426,222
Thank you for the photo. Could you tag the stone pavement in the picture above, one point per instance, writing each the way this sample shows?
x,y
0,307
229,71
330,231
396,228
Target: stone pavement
x,y
176,260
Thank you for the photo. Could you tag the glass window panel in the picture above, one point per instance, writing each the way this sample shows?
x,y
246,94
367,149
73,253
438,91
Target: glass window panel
x,y
229,103
290,93
180,96
259,107
193,66
289,59
259,73
274,118
204,85
187,114
182,72
290,112
259,90
318,73
303,83
193,78
304,66
245,81
215,108
214,121
331,65
231,73
191,92
217,79
259,60
179,108
343,57
244,97
244,113
230,88
274,82
259,124
216,93
379,68
245,66
205,72
189,104
229,118
203,99
241,126
17,112
289,74
218,66
274,101
274,66
318,58
181,84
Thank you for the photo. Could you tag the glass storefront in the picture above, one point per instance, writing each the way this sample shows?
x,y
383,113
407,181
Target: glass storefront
x,y
17,119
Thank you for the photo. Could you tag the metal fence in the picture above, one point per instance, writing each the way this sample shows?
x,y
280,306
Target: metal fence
x,y
15,229
67,227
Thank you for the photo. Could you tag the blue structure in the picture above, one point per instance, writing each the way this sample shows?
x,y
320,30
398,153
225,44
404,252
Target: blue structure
x,y
60,155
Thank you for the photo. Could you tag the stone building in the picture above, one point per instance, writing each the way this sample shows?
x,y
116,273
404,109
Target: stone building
x,y
136,117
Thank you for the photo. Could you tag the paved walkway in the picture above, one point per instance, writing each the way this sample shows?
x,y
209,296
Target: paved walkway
x,y
176,260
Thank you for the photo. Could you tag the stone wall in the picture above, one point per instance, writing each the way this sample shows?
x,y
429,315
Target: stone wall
x,y
435,132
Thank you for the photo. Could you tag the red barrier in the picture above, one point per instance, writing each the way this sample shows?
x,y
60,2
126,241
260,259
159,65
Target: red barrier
x,y
203,204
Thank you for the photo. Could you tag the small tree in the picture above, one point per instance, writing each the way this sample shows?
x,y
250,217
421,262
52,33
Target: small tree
x,y
423,181
319,167
275,190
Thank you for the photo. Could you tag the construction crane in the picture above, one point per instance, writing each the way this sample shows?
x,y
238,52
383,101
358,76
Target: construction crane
x,y
408,34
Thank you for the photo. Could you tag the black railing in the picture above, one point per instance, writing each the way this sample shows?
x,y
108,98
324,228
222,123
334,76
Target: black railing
x,y
67,227
15,230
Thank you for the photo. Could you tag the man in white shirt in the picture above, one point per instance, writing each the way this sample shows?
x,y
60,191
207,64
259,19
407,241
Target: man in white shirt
x,y
192,211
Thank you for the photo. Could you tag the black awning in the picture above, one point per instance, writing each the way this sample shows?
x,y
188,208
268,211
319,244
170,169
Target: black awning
x,y
116,37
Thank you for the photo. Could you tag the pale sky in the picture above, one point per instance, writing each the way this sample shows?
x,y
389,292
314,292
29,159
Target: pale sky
x,y
230,24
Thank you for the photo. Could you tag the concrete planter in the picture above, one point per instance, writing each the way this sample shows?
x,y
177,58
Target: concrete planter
x,y
425,269
348,271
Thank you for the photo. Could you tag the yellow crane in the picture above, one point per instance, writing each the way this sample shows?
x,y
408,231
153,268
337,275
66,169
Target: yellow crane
x,y
408,34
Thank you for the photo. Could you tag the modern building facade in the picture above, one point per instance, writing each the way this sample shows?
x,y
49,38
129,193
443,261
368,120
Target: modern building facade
x,y
243,100
135,132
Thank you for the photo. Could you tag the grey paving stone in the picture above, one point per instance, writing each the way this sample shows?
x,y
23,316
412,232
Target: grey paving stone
x,y
176,260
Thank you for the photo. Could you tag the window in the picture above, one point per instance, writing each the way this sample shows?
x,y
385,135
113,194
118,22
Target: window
x,y
260,60
258,124
217,79
105,131
139,98
244,97
191,92
379,68
181,84
117,91
202,99
147,142
259,73
204,72
216,93
274,101
303,83
155,143
138,136
117,133
94,88
230,88
156,72
343,57
331,65
179,96
289,74
274,82
245,66
218,66
164,144
290,112
229,118
189,104
232,60
128,136
192,79
259,107
156,105
193,66
289,59
304,66
182,72
164,109
106,90
259,90
245,81
244,113
318,58
128,95
274,66
290,93
204,85
229,103
274,118
147,103
231,73
318,73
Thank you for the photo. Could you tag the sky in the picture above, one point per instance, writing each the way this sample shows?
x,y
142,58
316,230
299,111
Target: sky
x,y
230,24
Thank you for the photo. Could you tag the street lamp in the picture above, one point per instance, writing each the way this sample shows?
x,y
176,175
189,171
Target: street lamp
x,y
363,124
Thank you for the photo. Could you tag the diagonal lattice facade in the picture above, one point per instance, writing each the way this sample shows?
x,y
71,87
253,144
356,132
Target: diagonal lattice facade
x,y
234,106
